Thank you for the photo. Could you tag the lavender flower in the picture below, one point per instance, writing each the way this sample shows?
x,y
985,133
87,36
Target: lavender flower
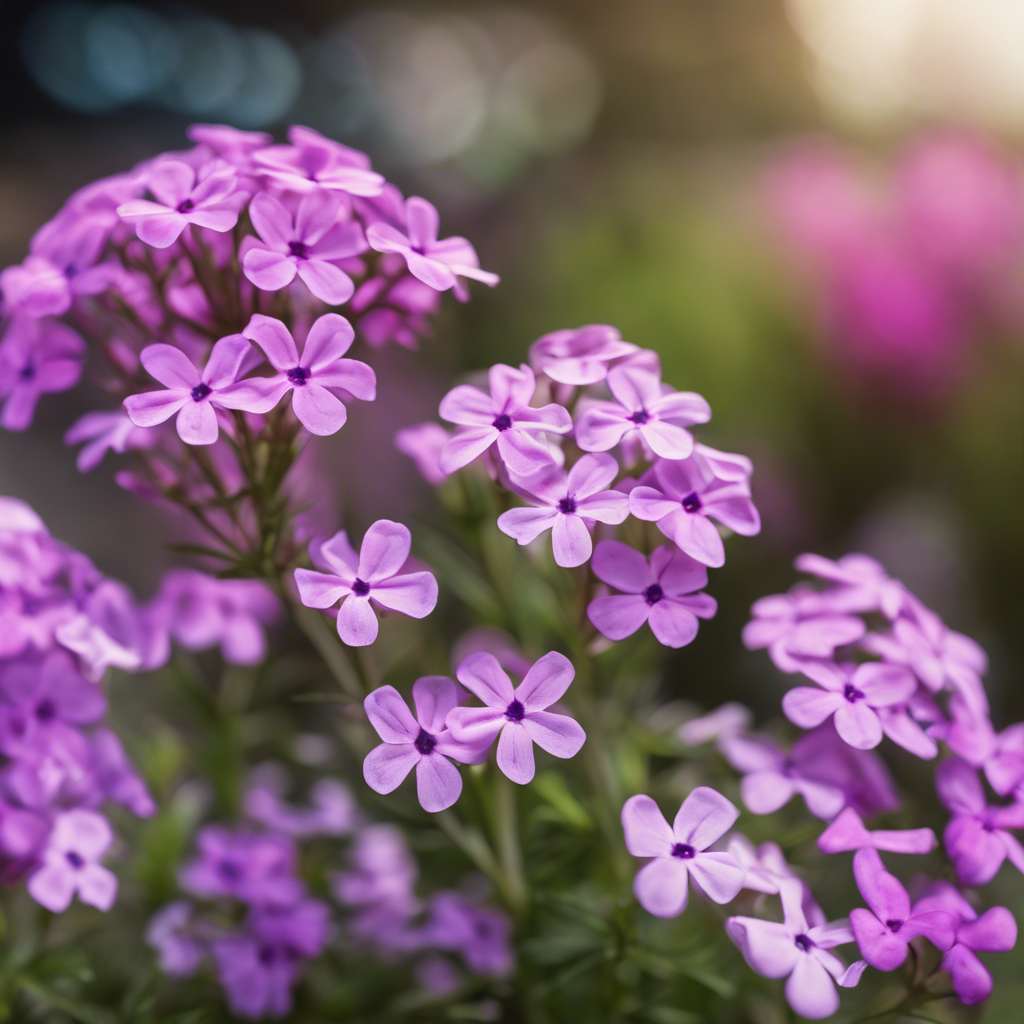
x,y
70,864
847,832
581,355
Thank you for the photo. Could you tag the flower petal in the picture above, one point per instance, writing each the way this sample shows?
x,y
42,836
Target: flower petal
x,y
858,725
810,989
481,674
672,624
434,697
319,411
438,783
619,615
515,753
705,815
718,875
385,767
414,594
320,590
662,886
275,339
328,340
622,567
384,551
647,832
570,541
390,716
559,735
357,623
154,407
170,366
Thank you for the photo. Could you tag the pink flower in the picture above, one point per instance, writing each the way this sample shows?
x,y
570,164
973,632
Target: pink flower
x,y
312,162
863,584
193,396
103,432
883,933
662,885
847,832
765,865
661,592
424,742
503,416
307,245
423,444
208,198
643,405
691,492
568,505
70,864
436,263
581,355
796,951
372,574
312,378
853,694
518,716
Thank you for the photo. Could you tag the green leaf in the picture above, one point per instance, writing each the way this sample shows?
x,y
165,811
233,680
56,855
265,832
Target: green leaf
x,y
74,1008
552,788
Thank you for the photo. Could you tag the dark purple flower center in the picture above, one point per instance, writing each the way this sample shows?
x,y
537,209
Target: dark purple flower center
x,y
28,371
360,588
298,249
803,943
691,503
787,768
229,870
298,376
46,710
515,711
852,694
503,421
894,925
653,594
567,505
200,391
640,417
76,860
425,743
684,851
185,205
267,955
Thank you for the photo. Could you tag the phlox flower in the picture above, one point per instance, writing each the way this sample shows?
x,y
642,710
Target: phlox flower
x,y
372,574
480,934
312,378
424,742
853,694
517,718
661,592
438,263
679,851
103,432
569,504
765,866
423,444
642,405
71,864
862,584
883,933
579,355
170,932
725,722
503,417
688,493
191,394
847,832
305,245
799,952
311,161
208,198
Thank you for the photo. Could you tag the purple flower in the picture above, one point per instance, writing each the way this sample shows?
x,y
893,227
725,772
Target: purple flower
x,y
37,357
851,694
436,263
796,951
331,812
690,492
568,505
190,394
480,934
114,777
517,715
976,839
662,593
307,245
642,405
726,722
208,198
103,432
1004,765
864,584
504,416
424,742
312,378
70,864
374,574
169,932
662,885
765,866
312,162
384,872
424,444
581,355
847,832
995,931
883,933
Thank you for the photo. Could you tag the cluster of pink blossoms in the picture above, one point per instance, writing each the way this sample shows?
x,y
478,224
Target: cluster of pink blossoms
x,y
885,666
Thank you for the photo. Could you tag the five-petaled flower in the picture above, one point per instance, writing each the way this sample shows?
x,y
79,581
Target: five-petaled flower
x,y
70,864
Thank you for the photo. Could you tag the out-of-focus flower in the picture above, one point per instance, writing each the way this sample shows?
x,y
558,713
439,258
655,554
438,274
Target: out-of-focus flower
x,y
71,864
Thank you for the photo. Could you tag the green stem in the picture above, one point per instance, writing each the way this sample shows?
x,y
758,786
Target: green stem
x,y
505,819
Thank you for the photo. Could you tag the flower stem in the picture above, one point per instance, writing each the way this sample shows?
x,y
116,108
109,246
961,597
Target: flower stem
x,y
505,819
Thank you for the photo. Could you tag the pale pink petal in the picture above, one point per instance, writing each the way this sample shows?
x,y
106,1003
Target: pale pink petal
x,y
546,681
810,989
765,792
883,685
153,407
384,238
682,575
475,726
667,440
592,473
434,697
385,767
570,541
390,716
622,567
430,272
482,675
317,213
438,783
170,181
526,524
468,406
272,221
414,594
464,447
97,886
557,734
705,815
697,536
225,360
684,408
52,887
197,423
672,624
329,339
959,787
605,507
267,269
766,945
601,428
634,388
254,394
357,623
353,376
650,504
160,230
319,411
718,875
858,725
515,753
807,707
423,221
326,281
320,590
661,887
619,615
647,832
275,339
522,453
338,554
216,218
170,366
385,549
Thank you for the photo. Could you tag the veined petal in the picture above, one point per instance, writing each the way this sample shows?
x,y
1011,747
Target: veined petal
x,y
319,411
546,681
357,623
153,407
390,716
570,541
275,339
384,551
385,767
661,887
647,832
482,675
557,734
414,594
434,697
170,366
515,753
464,447
320,590
718,875
526,524
438,783
705,816
328,340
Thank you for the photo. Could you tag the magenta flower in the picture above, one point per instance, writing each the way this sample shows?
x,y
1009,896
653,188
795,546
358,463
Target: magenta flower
x,y
208,198
435,263
306,245
312,378
504,417
568,504
642,405
518,716
853,695
71,864
679,851
312,162
688,493
191,394
37,357
424,742
883,933
995,931
862,584
798,952
580,355
372,574
977,839
662,593
847,832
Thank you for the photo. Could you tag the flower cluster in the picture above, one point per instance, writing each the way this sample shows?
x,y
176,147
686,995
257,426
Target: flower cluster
x,y
557,434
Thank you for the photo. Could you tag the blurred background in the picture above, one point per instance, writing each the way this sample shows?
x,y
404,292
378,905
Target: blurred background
x,y
813,209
